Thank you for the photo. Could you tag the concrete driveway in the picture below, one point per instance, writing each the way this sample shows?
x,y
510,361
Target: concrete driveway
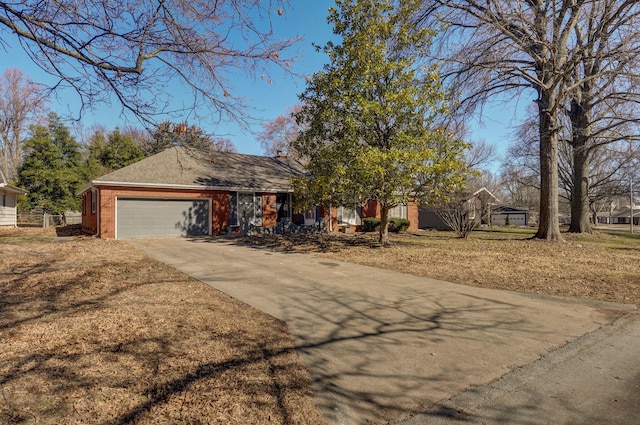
x,y
382,346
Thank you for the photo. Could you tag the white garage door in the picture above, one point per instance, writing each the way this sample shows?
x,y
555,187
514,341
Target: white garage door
x,y
144,217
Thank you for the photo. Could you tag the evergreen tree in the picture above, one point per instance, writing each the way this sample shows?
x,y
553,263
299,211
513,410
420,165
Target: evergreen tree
x,y
110,153
368,118
52,168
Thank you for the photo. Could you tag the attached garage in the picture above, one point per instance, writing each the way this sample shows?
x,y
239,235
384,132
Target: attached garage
x,y
186,192
149,217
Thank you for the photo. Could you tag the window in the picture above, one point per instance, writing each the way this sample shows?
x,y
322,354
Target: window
x,y
283,207
310,215
350,215
399,211
94,195
4,199
246,208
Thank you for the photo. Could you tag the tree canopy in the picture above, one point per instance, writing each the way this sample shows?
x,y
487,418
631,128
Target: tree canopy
x,y
110,152
130,50
574,57
52,168
368,117
168,134
21,102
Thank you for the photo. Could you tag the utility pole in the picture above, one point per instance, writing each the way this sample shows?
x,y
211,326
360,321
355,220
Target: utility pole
x,y
631,209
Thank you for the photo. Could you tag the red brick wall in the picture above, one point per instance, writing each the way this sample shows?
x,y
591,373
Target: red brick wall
x,y
372,209
412,215
269,212
220,209
89,219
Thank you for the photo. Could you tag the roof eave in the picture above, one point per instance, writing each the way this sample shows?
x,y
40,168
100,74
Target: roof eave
x,y
95,183
13,189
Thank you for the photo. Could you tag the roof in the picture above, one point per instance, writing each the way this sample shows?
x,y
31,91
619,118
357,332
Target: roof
x,y
180,167
484,195
625,212
504,209
9,188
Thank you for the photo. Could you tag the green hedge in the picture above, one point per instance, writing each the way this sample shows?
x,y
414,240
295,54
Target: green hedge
x,y
396,225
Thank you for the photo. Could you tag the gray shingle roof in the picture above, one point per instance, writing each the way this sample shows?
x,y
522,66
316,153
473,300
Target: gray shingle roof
x,y
184,167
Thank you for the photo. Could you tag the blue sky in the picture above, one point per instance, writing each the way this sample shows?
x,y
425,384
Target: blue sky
x,y
306,18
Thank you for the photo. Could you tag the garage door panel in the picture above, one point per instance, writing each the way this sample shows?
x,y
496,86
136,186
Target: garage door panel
x,y
138,218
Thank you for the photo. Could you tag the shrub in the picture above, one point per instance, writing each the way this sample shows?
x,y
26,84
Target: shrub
x,y
370,224
396,225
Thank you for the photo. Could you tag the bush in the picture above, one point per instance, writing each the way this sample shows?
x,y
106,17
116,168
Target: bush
x,y
396,225
370,224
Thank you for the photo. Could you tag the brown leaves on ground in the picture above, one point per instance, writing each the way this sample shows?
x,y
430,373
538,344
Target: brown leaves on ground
x,y
94,332
604,267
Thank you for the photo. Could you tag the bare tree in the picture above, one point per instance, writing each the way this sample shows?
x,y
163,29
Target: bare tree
x,y
504,47
20,103
278,135
132,49
457,215
602,105
222,144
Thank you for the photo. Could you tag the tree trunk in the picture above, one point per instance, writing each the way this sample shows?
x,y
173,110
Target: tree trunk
x,y
580,192
549,225
384,225
580,119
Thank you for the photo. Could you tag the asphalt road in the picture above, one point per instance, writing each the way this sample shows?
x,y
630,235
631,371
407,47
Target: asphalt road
x,y
386,347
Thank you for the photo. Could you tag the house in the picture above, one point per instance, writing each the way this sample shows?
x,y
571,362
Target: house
x,y
623,216
186,192
477,205
182,191
349,218
8,202
511,216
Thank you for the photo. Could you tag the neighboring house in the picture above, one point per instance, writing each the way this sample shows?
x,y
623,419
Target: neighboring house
x,y
8,202
623,216
477,205
511,216
186,192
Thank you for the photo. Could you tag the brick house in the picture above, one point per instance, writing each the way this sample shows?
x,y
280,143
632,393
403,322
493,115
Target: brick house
x,y
185,192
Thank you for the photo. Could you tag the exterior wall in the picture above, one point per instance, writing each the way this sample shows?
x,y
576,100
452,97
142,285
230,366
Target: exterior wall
x,y
89,218
220,209
8,212
516,219
269,211
371,210
412,215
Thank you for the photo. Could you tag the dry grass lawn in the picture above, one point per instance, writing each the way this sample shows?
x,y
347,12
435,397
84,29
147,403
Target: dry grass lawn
x,y
93,332
604,267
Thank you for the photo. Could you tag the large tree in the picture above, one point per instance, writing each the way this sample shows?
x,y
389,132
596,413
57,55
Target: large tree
x,y
108,152
499,47
130,50
602,105
21,102
168,134
279,134
52,169
368,117
576,55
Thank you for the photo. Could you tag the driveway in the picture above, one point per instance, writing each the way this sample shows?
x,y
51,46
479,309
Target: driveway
x,y
383,346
